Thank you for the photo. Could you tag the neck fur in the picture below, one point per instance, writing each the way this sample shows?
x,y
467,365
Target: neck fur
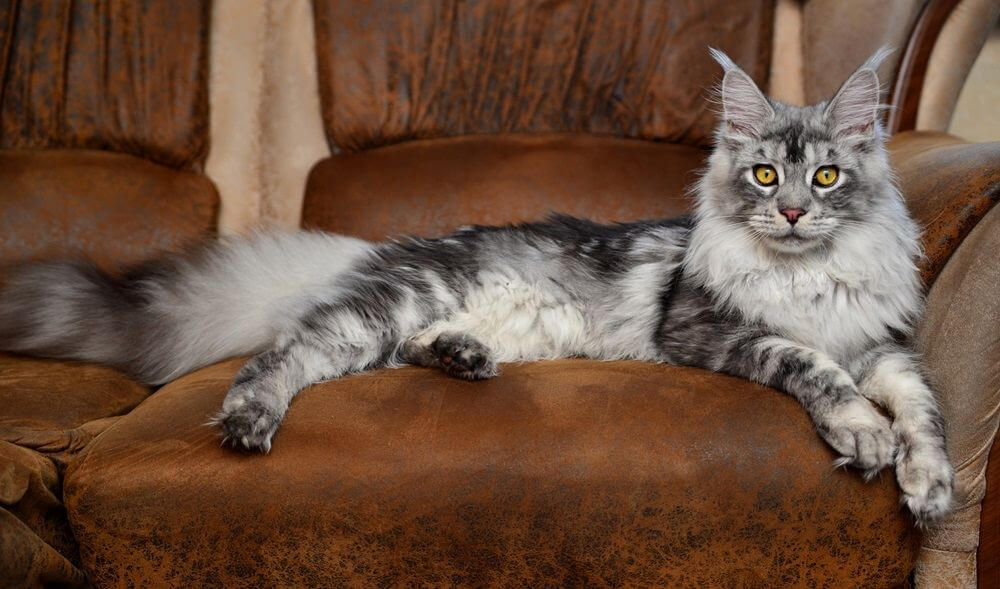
x,y
838,298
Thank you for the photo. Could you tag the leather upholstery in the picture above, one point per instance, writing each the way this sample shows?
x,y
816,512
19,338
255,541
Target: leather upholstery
x,y
569,472
35,538
45,402
126,76
114,209
960,340
103,128
50,412
559,473
949,185
442,69
836,41
432,187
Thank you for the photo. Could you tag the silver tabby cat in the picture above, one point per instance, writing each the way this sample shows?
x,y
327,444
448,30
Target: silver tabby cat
x,y
797,270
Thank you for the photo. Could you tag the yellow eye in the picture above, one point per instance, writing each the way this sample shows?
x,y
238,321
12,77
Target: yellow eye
x,y
765,175
825,176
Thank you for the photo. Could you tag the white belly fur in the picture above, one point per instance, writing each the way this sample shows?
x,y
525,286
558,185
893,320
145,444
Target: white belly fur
x,y
517,319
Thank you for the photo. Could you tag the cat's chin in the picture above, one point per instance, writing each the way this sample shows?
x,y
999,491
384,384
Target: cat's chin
x,y
792,244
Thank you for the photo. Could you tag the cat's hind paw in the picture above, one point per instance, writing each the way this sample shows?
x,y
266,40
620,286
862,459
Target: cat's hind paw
x,y
928,483
464,357
248,425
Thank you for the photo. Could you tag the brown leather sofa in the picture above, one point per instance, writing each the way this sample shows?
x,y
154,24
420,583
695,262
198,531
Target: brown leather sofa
x,y
132,127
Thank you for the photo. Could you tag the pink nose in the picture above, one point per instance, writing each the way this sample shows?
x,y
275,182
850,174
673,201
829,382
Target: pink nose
x,y
792,214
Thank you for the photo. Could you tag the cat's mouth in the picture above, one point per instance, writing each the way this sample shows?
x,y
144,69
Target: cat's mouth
x,y
786,239
793,241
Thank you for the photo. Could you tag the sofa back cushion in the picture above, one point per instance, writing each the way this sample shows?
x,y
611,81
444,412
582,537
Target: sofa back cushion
x,y
130,77
103,129
391,71
432,187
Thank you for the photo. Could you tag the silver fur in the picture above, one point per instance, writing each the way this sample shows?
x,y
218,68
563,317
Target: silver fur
x,y
821,308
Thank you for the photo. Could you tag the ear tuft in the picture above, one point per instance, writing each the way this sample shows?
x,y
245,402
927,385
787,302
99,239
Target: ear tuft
x,y
853,111
722,59
744,107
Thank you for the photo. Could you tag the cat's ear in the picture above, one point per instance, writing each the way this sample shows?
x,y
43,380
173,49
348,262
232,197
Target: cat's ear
x,y
854,110
744,106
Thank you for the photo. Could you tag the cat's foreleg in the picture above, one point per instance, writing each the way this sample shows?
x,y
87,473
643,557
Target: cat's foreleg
x,y
890,376
844,418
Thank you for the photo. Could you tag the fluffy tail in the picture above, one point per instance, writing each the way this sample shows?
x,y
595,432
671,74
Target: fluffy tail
x,y
172,316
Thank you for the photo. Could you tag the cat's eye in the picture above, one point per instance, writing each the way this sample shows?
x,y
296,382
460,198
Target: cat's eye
x,y
825,176
765,175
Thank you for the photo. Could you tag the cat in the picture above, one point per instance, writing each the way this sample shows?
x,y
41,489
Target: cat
x,y
796,270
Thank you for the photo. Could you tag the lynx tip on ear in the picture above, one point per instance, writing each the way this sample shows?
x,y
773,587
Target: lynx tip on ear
x,y
722,59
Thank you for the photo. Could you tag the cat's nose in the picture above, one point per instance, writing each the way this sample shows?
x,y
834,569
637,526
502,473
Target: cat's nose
x,y
792,214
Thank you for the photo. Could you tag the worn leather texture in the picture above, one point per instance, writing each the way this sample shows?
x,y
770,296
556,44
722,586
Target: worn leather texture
x,y
959,338
432,187
836,41
119,75
49,412
113,209
560,473
391,72
36,542
949,185
45,402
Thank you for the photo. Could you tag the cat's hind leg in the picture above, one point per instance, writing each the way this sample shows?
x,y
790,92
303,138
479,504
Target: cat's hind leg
x,y
457,354
264,387
359,330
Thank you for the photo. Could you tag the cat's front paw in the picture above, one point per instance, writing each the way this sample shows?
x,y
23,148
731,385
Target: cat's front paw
x,y
927,480
464,357
248,424
861,434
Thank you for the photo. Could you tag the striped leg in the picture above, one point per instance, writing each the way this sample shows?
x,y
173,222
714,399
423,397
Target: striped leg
x,y
890,376
359,331
844,418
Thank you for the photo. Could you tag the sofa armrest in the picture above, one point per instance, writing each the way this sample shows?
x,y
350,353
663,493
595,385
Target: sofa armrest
x,y
951,186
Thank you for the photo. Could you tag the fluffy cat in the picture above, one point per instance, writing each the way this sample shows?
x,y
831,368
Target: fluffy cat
x,y
797,270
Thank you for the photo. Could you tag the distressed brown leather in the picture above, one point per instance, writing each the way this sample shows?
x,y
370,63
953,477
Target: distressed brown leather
x,y
120,75
949,185
559,473
959,338
46,402
113,209
390,72
432,187
29,562
35,538
836,41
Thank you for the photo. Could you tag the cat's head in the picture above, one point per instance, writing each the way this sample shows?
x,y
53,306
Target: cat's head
x,y
795,179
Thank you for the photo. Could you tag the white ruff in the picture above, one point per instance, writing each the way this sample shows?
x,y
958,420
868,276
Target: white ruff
x,y
838,300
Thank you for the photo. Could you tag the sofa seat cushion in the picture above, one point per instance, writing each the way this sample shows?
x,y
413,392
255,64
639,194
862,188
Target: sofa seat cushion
x,y
557,473
111,208
431,187
49,411
56,407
